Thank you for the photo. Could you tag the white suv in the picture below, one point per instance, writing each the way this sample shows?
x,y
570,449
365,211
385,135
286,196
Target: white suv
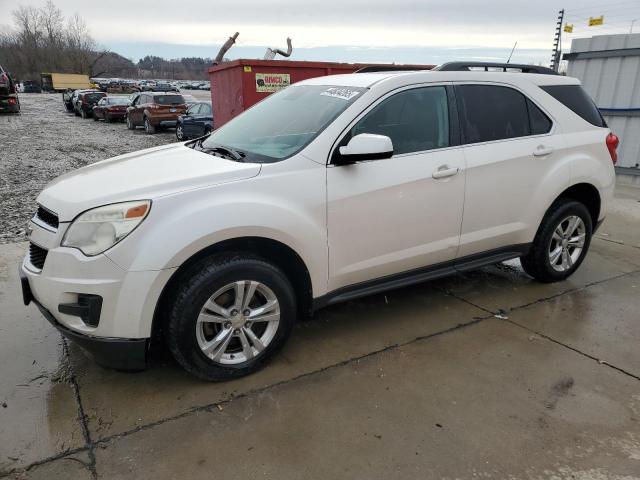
x,y
333,188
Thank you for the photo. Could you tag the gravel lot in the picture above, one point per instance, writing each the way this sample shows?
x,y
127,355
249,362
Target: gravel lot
x,y
44,141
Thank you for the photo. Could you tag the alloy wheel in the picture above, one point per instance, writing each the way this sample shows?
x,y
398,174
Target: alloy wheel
x,y
238,322
567,243
179,133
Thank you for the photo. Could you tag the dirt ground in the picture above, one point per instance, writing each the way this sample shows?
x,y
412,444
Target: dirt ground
x,y
486,374
44,141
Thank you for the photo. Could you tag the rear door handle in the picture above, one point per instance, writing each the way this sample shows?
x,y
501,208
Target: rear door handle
x,y
445,171
542,150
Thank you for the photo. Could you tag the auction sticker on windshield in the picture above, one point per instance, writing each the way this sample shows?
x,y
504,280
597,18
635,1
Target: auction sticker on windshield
x,y
272,82
340,92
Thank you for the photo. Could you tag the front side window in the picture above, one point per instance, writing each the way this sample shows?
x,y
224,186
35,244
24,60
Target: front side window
x,y
489,112
285,122
193,109
415,120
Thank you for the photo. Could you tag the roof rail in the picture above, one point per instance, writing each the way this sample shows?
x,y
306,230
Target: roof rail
x,y
393,68
489,66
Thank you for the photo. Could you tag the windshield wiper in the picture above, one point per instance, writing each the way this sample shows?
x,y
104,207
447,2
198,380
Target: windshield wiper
x,y
227,152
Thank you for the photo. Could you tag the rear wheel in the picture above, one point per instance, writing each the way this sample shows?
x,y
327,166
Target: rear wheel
x,y
561,243
95,117
107,118
148,127
130,124
229,316
84,114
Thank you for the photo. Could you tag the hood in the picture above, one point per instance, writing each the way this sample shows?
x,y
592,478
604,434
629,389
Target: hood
x,y
142,175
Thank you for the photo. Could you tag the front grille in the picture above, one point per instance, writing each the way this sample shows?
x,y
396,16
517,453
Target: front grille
x,y
37,255
47,217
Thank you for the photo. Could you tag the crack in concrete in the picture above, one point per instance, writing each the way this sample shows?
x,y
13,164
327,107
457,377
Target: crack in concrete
x,y
617,242
574,349
82,417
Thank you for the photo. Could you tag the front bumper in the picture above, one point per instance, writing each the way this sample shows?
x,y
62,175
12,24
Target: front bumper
x,y
118,353
67,284
167,123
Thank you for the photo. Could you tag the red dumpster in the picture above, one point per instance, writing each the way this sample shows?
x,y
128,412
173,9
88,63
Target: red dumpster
x,y
238,84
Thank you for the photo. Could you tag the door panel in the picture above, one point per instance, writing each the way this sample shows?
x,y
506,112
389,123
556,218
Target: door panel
x,y
402,213
503,179
390,216
512,163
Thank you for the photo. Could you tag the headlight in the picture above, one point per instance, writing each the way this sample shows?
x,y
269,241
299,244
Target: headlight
x,y
98,229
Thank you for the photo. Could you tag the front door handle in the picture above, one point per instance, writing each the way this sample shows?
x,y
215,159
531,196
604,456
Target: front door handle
x,y
542,150
445,171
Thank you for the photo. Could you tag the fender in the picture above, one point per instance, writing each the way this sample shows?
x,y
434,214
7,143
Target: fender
x,y
178,228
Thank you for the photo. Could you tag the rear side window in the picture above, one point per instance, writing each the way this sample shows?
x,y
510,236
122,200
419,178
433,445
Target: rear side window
x,y
490,112
539,122
577,100
416,120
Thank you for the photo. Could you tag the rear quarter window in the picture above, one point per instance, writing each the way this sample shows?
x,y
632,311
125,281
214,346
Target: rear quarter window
x,y
578,101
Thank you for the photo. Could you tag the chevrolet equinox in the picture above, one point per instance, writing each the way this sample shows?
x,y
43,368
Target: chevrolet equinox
x,y
333,188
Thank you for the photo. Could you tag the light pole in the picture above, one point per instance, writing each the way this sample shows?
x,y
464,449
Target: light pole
x,y
632,22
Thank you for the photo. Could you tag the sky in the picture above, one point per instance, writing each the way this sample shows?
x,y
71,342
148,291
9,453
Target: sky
x,y
401,31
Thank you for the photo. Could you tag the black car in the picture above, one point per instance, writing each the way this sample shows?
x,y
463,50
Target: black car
x,y
196,122
86,101
9,101
29,86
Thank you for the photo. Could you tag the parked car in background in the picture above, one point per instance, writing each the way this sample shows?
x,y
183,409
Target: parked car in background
x,y
196,122
30,86
86,101
164,87
204,86
154,110
9,101
111,108
68,99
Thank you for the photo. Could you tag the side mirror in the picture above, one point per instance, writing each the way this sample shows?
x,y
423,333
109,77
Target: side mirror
x,y
366,146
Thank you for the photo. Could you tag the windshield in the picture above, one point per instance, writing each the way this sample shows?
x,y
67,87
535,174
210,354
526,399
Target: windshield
x,y
284,123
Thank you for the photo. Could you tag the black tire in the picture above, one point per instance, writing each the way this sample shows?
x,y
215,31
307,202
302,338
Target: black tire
x,y
84,114
95,117
150,129
196,285
107,118
180,133
130,124
537,262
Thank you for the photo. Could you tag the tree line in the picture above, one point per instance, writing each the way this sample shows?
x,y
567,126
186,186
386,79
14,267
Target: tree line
x,y
43,40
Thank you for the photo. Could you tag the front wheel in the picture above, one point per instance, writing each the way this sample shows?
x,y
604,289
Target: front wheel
x,y
179,133
130,124
229,316
561,243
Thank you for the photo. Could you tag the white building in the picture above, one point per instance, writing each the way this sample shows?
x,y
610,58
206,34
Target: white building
x,y
609,68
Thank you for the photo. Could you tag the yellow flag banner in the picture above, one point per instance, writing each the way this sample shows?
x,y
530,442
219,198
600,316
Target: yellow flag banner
x,y
594,21
568,27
